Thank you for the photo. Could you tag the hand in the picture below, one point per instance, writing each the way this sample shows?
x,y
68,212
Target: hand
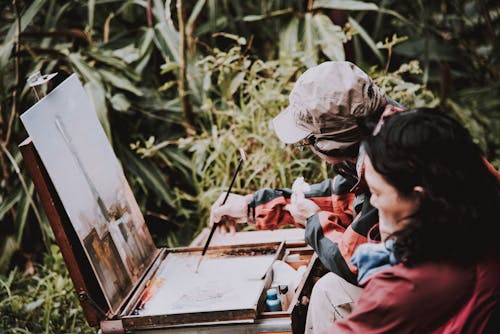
x,y
235,210
300,207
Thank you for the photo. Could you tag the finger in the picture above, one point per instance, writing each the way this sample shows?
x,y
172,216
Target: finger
x,y
232,228
221,228
300,194
218,213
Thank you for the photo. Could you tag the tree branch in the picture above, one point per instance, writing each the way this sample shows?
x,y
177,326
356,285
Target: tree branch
x,y
183,96
13,113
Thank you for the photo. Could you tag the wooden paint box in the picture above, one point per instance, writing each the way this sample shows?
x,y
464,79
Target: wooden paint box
x,y
109,252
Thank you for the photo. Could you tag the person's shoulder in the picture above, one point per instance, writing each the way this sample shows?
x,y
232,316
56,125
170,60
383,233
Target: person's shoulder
x,y
425,280
430,271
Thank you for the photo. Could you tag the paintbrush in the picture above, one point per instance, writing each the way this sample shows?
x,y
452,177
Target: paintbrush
x,y
214,226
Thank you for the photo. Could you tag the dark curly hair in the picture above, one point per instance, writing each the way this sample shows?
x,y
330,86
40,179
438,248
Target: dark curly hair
x,y
458,216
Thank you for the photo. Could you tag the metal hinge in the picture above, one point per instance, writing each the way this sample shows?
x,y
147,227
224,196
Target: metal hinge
x,y
37,82
83,296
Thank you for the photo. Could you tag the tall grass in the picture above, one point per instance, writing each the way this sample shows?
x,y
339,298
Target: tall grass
x,y
44,302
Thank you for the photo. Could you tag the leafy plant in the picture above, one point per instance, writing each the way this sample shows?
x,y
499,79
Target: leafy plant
x,y
41,303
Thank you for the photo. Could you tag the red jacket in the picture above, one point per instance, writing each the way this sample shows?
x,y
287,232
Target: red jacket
x,y
427,298
335,232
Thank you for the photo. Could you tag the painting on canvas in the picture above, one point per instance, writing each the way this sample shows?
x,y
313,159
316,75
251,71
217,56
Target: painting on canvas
x,y
90,181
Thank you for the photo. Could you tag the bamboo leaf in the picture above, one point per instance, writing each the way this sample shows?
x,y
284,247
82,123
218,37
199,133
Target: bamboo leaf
x,y
167,41
236,82
9,202
7,248
83,68
289,37
276,13
26,18
150,174
30,307
195,13
345,5
119,81
97,94
368,40
159,10
114,60
146,41
91,11
310,50
22,213
331,37
356,6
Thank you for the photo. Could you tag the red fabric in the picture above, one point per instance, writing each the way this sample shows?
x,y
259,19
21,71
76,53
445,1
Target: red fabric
x,y
492,169
336,213
428,298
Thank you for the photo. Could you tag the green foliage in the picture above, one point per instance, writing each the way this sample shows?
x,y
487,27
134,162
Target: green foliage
x,y
41,303
237,61
243,94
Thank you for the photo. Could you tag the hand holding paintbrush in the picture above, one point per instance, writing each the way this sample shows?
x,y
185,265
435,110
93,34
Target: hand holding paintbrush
x,y
215,224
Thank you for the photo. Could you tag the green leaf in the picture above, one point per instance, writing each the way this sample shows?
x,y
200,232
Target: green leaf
x,y
26,18
167,85
344,5
368,40
119,81
115,61
169,67
236,82
146,41
120,102
128,53
22,213
88,73
431,47
195,13
97,94
167,41
91,10
310,50
331,37
9,202
7,248
150,174
30,307
159,11
289,37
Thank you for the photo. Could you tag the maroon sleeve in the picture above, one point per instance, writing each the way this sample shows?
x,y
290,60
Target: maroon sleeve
x,y
409,300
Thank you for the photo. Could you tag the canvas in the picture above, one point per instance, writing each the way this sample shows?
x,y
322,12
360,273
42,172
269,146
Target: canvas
x,y
93,189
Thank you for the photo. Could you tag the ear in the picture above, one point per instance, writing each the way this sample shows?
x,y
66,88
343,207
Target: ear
x,y
419,192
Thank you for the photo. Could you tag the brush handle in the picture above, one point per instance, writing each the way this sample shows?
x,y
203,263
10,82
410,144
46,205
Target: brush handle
x,y
214,226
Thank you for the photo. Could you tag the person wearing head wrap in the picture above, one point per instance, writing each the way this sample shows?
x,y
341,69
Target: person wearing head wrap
x,y
331,106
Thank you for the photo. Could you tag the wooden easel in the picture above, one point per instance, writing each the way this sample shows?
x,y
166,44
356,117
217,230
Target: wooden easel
x,y
89,293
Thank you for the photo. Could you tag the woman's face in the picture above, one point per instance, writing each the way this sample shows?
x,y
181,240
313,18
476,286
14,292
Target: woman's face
x,y
393,209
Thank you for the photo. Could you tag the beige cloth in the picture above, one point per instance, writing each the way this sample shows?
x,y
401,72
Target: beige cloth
x,y
332,298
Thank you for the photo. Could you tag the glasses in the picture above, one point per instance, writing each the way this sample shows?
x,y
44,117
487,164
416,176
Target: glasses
x,y
350,149
310,140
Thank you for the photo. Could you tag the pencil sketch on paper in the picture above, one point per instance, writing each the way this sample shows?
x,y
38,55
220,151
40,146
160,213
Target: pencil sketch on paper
x,y
90,181
221,283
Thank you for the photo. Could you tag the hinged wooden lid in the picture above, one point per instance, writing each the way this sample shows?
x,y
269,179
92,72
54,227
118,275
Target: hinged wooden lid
x,y
90,183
